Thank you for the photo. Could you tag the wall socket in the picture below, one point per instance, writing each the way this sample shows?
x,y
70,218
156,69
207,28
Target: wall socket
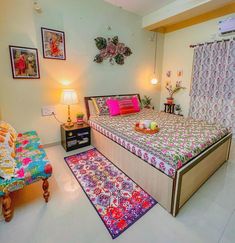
x,y
48,110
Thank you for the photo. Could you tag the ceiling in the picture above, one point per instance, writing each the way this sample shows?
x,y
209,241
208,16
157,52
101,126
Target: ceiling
x,y
140,7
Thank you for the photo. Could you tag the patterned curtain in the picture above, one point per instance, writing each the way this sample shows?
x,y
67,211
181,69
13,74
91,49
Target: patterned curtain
x,y
213,83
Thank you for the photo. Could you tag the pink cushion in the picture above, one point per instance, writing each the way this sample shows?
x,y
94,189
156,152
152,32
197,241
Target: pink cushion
x,y
113,107
126,106
136,103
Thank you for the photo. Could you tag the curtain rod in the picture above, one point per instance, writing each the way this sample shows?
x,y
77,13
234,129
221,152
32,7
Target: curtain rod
x,y
208,43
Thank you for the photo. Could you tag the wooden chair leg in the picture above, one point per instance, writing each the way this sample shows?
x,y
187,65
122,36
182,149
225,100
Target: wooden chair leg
x,y
46,193
6,207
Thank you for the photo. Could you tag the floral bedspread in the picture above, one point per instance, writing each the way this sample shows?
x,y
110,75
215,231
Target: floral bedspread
x,y
31,163
178,141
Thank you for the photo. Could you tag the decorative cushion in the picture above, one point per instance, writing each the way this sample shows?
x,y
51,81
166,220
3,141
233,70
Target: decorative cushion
x,y
101,105
126,106
7,150
136,103
113,106
5,127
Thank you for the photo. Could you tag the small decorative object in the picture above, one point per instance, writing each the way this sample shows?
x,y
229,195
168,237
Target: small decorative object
x,y
146,102
53,44
37,7
147,127
111,49
172,90
24,62
153,125
80,118
179,72
178,109
168,73
69,97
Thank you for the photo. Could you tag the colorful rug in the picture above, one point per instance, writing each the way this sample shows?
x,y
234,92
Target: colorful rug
x,y
118,200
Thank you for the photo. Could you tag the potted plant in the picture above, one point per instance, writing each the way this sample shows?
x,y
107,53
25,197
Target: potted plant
x,y
178,109
80,116
172,90
146,102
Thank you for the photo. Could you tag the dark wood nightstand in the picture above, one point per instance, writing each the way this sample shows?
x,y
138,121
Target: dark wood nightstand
x,y
169,108
75,137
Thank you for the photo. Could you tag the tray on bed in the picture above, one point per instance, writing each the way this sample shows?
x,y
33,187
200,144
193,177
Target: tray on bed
x,y
146,131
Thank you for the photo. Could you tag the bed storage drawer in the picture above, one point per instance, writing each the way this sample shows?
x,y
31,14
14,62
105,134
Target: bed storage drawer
x,y
193,175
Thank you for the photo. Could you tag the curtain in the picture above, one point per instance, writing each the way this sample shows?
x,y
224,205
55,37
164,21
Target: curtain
x,y
213,83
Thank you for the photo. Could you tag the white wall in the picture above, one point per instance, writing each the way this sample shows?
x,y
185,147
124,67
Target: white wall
x,y
82,21
178,55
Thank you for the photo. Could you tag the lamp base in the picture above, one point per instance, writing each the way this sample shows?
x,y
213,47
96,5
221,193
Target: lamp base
x,y
68,124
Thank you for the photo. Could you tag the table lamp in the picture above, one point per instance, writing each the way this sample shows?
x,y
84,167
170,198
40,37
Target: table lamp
x,y
69,97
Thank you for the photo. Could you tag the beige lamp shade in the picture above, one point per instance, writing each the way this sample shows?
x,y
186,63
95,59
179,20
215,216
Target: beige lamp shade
x,y
69,97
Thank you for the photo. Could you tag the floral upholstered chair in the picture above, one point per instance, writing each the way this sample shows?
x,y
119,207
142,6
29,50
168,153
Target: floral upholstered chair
x,y
22,161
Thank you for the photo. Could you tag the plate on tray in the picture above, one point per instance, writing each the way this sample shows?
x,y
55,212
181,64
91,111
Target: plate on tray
x,y
146,131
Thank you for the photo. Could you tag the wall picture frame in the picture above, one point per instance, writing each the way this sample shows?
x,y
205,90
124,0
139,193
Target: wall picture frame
x,y
53,44
24,62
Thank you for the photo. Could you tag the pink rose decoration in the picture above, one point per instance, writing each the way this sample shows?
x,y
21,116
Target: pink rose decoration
x,y
179,164
25,142
189,155
111,49
26,161
162,166
104,53
19,150
120,48
20,173
171,172
164,151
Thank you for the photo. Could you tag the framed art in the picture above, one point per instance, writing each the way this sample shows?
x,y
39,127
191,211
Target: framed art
x,y
53,44
24,62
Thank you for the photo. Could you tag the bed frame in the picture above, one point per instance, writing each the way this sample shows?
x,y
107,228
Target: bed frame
x,y
171,193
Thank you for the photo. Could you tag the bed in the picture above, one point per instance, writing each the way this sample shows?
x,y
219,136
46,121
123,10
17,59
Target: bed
x,y
170,165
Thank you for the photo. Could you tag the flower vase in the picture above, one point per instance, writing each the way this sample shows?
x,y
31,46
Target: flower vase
x,y
80,120
170,100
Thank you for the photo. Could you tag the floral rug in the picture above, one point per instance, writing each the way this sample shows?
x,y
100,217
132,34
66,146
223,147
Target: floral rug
x,y
118,200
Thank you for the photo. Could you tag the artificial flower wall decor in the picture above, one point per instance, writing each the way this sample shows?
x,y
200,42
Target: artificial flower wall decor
x,y
111,49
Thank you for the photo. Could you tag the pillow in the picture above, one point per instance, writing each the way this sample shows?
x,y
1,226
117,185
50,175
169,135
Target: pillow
x,y
126,106
8,137
113,107
5,127
136,103
7,142
101,106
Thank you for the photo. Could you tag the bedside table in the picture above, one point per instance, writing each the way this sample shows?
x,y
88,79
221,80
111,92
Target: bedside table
x,y
75,137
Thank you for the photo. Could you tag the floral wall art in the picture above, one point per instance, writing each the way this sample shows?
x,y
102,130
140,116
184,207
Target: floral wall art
x,y
111,49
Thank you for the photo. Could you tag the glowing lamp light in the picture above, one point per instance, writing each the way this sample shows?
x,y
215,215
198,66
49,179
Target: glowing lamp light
x,y
154,81
69,97
65,82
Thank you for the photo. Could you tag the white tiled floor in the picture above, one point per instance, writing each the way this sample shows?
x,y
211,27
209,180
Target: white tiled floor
x,y
209,216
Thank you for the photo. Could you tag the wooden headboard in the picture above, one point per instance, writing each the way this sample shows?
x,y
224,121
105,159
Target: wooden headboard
x,y
86,99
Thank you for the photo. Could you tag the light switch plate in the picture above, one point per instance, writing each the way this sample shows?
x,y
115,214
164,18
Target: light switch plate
x,y
48,110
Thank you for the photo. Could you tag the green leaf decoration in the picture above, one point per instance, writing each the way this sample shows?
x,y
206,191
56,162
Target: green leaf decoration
x,y
111,49
98,58
115,40
127,51
119,58
100,42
